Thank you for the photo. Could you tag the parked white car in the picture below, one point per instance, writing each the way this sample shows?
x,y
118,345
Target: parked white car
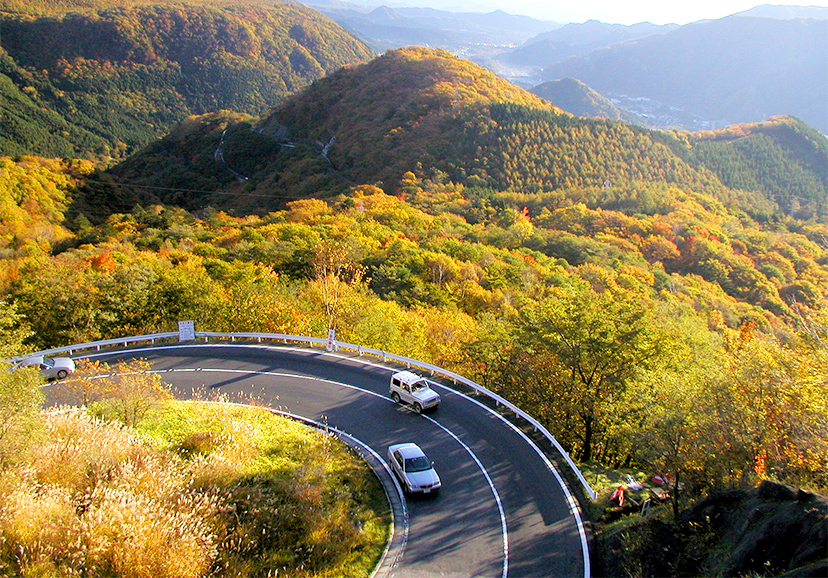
x,y
50,367
413,469
411,389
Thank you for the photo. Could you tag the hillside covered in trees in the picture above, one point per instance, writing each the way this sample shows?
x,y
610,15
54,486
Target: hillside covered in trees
x,y
426,111
574,96
105,78
719,320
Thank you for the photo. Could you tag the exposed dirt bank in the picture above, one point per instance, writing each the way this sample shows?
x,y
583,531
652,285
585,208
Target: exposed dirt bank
x,y
771,530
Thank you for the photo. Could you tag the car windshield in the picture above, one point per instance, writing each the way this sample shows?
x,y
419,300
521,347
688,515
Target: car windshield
x,y
418,386
418,464
48,362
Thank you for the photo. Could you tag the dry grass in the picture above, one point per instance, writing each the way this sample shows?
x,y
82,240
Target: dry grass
x,y
197,490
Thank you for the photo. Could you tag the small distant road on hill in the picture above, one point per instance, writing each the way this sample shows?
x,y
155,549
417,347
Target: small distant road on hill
x,y
218,155
501,512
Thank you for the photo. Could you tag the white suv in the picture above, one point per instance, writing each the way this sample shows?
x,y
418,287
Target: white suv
x,y
411,389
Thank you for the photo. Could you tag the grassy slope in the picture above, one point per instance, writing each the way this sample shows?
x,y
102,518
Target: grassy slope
x,y
221,491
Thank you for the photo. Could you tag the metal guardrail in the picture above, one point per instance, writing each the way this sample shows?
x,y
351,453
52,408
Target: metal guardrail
x,y
259,337
97,345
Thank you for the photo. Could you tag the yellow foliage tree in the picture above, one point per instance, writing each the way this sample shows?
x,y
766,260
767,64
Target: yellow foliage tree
x,y
125,392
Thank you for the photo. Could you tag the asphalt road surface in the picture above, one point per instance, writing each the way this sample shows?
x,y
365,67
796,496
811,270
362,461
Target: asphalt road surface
x,y
502,510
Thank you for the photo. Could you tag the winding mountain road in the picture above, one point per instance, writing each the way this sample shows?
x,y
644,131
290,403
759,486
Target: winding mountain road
x,y
502,511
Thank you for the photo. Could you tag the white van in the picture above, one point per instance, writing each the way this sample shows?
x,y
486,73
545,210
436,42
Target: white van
x,y
411,389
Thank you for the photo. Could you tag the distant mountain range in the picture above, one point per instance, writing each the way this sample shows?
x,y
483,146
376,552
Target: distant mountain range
x,y
470,35
704,75
577,40
783,12
736,69
106,77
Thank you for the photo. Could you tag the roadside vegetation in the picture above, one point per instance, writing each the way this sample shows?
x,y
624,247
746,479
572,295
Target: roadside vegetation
x,y
687,342
183,489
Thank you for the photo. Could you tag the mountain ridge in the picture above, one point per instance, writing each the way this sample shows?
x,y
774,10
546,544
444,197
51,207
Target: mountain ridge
x,y
732,70
126,75
785,12
577,98
471,35
426,110
411,90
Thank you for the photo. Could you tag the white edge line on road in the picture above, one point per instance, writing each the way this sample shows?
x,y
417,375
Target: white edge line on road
x,y
504,530
573,506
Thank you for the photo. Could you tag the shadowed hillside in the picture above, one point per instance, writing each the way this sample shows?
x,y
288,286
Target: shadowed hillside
x,y
107,81
575,97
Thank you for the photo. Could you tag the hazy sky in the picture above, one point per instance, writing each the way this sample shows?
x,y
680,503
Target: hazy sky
x,y
609,11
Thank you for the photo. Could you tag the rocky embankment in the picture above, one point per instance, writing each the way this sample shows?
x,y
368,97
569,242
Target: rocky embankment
x,y
771,530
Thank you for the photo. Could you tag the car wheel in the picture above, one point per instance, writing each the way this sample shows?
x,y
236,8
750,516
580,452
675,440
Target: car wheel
x,y
396,397
61,374
418,408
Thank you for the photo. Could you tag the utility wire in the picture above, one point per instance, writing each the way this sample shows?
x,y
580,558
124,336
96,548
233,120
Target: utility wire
x,y
182,190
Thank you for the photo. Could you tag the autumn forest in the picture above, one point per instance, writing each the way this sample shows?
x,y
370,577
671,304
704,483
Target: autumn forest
x,y
656,299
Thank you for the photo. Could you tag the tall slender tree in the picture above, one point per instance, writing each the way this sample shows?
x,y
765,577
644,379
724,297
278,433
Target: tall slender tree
x,y
334,269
